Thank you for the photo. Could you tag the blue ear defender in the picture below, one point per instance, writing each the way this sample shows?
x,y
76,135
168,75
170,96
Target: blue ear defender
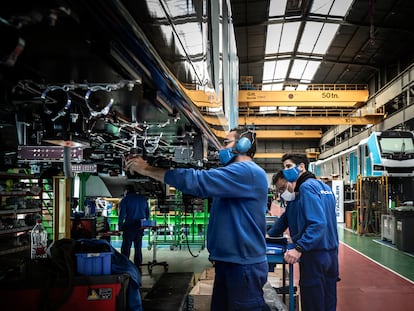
x,y
243,145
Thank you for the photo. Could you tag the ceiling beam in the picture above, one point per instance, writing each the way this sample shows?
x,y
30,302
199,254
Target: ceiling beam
x,y
302,121
279,155
280,134
327,96
314,120
323,98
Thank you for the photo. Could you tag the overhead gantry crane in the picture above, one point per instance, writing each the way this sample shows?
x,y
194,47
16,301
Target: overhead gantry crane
x,y
320,104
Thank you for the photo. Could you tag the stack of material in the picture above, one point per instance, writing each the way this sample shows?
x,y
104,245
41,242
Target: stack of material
x,y
199,298
275,277
272,299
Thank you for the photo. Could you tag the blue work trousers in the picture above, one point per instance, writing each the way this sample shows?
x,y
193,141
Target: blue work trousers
x,y
132,236
239,287
318,279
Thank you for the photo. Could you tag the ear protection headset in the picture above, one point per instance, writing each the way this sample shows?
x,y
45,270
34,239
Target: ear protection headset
x,y
244,143
243,146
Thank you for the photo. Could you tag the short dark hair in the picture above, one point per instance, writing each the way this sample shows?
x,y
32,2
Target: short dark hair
x,y
249,134
296,158
277,176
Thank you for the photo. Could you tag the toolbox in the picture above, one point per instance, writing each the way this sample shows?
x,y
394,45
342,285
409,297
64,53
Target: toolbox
x,y
86,293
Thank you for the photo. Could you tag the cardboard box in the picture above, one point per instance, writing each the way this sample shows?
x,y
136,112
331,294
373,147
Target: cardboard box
x,y
275,277
199,298
208,274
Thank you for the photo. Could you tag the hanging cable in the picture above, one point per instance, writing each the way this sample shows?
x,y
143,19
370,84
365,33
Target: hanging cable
x,y
93,113
186,204
65,109
371,21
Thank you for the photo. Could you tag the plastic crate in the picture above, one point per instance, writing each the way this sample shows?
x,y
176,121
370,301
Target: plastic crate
x,y
93,263
148,223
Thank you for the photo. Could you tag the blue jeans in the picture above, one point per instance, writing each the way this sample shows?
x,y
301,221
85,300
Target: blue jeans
x,y
239,287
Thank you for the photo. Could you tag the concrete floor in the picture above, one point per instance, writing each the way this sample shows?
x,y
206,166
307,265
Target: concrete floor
x,y
179,260
366,253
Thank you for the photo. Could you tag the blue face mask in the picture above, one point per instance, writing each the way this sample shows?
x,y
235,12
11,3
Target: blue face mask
x,y
226,155
291,174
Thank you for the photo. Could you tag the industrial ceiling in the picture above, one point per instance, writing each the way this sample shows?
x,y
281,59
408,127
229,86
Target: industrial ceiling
x,y
106,72
290,44
374,37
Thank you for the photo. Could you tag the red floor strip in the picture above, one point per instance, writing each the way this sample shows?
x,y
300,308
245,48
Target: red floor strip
x,y
366,285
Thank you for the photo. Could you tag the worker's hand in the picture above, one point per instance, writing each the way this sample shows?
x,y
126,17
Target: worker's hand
x,y
136,165
292,256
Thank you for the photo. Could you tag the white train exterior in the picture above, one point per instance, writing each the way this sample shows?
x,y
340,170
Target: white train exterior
x,y
387,153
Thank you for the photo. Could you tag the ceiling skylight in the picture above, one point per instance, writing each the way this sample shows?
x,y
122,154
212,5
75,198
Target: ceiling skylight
x,y
331,7
295,49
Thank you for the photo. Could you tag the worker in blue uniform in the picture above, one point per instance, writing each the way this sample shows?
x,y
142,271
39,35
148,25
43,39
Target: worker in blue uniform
x,y
237,225
311,218
285,190
132,209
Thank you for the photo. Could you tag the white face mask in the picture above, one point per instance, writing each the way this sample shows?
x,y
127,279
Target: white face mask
x,y
288,196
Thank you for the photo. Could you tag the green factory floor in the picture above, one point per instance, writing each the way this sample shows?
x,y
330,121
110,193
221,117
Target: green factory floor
x,y
384,253
371,270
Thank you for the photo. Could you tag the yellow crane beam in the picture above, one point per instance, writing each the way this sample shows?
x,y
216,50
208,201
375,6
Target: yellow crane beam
x,y
318,104
204,98
279,155
308,98
300,120
279,134
312,120
268,155
316,96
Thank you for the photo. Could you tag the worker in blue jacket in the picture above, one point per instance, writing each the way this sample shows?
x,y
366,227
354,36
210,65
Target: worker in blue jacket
x,y
132,209
237,226
285,191
311,218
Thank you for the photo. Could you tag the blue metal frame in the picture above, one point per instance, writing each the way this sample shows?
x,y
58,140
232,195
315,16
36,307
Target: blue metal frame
x,y
275,255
